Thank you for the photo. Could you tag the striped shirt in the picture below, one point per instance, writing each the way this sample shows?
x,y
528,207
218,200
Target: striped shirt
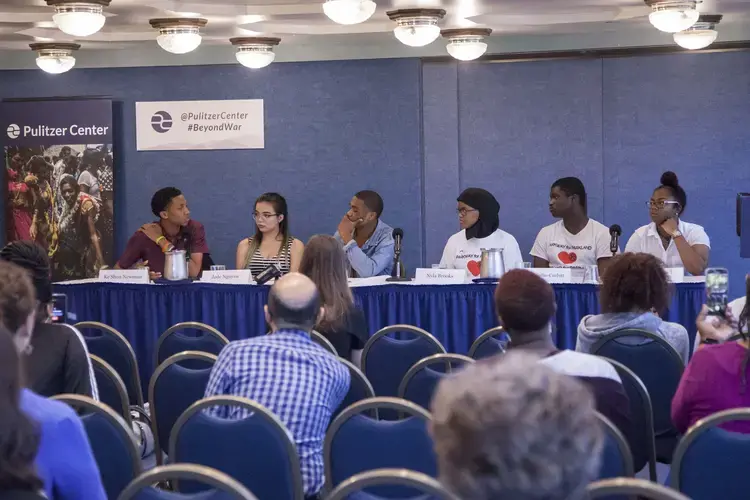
x,y
258,263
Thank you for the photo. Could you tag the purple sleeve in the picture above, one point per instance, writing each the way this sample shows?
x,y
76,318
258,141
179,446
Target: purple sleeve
x,y
199,238
133,251
689,392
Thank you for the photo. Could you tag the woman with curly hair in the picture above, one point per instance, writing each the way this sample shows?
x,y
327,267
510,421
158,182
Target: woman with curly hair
x,y
635,290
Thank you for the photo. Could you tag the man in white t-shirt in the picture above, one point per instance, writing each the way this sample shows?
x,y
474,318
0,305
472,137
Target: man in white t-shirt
x,y
575,241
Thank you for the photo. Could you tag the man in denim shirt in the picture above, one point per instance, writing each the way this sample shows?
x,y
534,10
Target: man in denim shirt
x,y
368,241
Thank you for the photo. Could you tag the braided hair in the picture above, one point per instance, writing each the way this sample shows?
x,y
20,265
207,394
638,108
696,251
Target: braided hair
x,y
33,258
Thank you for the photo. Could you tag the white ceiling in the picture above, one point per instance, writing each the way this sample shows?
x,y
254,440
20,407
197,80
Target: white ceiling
x,y
306,33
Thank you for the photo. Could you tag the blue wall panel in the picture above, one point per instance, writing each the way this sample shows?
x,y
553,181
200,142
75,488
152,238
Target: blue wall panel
x,y
332,128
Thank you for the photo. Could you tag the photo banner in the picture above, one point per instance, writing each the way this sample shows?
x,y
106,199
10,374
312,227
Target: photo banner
x,y
199,125
59,179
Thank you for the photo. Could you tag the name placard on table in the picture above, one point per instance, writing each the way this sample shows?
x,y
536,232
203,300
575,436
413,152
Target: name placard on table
x,y
440,276
554,274
134,276
229,277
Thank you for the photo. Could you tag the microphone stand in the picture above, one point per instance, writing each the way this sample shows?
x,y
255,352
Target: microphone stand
x,y
396,270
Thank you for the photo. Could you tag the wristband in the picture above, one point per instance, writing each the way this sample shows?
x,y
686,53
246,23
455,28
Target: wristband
x,y
159,239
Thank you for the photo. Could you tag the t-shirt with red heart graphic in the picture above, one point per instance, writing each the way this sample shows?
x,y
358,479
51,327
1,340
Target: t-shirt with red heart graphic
x,y
560,248
460,253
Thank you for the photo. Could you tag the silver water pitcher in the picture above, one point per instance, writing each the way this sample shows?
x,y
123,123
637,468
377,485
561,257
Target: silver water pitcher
x,y
492,264
175,265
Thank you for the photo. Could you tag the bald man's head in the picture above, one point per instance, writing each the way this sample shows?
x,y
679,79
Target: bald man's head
x,y
294,302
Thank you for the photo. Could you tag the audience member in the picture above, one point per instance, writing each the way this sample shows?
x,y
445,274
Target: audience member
x,y
324,262
65,461
512,428
635,289
58,361
288,373
716,377
525,304
19,439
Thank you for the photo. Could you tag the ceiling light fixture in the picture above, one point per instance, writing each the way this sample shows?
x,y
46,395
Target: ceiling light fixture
x,y
349,11
466,44
672,16
55,58
79,18
178,35
255,52
700,35
416,27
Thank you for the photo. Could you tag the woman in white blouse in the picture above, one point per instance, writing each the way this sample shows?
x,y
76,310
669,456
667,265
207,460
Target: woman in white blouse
x,y
677,243
480,228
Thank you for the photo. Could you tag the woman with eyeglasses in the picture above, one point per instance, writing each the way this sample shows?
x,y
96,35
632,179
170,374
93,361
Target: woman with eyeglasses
x,y
271,243
675,242
480,228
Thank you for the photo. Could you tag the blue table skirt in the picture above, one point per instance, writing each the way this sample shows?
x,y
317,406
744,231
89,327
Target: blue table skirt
x,y
455,314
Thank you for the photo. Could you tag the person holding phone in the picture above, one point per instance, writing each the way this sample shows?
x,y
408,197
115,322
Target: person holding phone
x,y
677,243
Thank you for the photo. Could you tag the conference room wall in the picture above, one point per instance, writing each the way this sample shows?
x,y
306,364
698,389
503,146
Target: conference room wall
x,y
618,123
331,129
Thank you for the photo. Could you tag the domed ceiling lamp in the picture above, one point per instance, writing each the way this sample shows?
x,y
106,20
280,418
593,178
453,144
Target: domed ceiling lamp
x,y
55,58
255,52
179,35
349,11
416,27
672,16
700,35
79,18
466,44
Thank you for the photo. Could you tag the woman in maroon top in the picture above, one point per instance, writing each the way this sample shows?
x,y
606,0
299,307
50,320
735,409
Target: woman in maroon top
x,y
716,378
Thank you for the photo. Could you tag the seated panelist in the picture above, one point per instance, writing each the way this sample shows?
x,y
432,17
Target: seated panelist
x,y
576,240
480,228
676,243
174,230
271,243
367,240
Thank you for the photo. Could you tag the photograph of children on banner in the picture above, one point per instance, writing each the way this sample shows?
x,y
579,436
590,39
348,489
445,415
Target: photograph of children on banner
x,y
62,197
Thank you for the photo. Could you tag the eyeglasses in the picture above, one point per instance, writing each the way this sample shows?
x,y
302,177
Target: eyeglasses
x,y
660,204
264,216
463,211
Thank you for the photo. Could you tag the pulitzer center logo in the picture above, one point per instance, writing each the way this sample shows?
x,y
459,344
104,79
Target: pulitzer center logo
x,y
161,122
14,131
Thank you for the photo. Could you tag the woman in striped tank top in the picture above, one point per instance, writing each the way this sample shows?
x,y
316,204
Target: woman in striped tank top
x,y
271,243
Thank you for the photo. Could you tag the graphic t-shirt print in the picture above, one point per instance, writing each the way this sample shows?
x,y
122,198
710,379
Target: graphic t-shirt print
x,y
568,255
470,261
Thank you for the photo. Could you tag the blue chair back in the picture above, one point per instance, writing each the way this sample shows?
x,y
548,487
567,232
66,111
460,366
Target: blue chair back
x,y
323,342
385,360
710,462
222,486
256,450
641,435
429,488
357,443
112,442
491,343
420,382
359,389
111,388
175,386
189,336
606,489
112,346
617,461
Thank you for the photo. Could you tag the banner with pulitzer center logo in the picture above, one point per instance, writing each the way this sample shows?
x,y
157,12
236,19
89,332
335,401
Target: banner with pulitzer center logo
x,y
59,181
188,125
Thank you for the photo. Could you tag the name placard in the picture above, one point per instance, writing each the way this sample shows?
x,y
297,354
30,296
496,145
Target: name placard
x,y
676,274
136,276
440,276
554,274
238,277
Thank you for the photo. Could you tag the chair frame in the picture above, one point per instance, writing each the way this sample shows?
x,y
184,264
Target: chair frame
x,y
323,342
638,332
212,477
419,332
402,477
695,431
401,405
622,444
99,363
185,355
488,334
355,372
186,325
256,408
630,486
427,362
95,325
85,402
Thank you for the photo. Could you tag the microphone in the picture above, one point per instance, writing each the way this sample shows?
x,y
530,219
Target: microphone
x,y
398,235
396,271
614,232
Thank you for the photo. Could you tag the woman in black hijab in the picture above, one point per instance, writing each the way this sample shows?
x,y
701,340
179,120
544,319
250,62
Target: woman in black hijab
x,y
480,228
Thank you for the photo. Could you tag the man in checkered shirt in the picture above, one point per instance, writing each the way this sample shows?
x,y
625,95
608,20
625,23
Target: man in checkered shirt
x,y
288,373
